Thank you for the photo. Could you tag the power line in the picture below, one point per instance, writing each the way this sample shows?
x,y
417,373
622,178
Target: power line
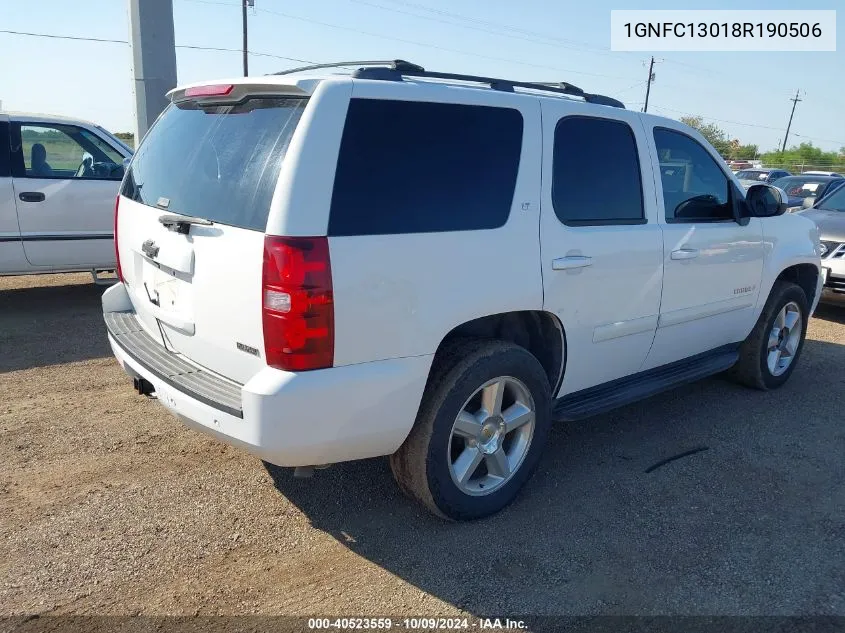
x,y
434,46
65,37
507,27
186,46
619,92
555,43
764,127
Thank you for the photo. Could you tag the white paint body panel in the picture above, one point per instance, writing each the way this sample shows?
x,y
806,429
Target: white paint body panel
x,y
70,208
609,309
205,311
399,295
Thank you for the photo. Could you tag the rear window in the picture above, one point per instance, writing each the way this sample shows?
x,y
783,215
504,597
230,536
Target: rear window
x,y
217,162
417,167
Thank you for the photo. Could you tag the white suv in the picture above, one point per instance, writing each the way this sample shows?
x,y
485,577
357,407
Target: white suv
x,y
322,267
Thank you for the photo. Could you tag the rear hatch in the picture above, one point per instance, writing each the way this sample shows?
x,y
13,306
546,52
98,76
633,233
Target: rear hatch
x,y
191,219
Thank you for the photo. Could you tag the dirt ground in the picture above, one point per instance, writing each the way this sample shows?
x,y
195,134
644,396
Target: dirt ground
x,y
109,506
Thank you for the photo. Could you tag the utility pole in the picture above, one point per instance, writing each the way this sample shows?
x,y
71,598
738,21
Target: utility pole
x,y
153,59
648,83
794,101
244,4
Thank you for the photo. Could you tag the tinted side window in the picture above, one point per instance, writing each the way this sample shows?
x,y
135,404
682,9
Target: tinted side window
x,y
414,167
596,173
694,188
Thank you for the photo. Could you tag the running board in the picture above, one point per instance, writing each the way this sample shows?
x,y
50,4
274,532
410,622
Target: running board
x,y
603,398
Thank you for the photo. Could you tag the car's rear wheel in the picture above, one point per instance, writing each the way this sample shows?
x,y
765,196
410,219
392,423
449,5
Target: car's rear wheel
x,y
480,430
770,353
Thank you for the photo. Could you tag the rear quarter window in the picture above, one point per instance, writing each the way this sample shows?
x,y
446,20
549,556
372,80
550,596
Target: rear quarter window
x,y
419,167
217,162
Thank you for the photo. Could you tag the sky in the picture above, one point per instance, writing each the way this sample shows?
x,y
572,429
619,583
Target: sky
x,y
746,94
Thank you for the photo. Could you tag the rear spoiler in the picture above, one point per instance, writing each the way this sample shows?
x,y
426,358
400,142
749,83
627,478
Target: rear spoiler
x,y
234,90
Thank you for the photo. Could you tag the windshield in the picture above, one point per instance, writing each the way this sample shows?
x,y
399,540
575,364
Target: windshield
x,y
218,162
835,201
752,174
798,187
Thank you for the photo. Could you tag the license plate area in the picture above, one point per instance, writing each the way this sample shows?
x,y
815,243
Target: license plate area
x,y
165,289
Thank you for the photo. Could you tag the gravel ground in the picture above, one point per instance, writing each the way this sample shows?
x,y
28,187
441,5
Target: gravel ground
x,y
109,506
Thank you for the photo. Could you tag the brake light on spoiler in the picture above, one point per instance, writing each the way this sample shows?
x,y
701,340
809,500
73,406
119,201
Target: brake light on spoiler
x,y
215,90
297,303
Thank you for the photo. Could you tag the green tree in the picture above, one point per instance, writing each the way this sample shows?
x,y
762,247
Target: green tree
x,y
715,135
744,152
805,155
126,137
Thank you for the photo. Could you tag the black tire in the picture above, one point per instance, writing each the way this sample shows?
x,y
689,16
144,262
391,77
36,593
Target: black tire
x,y
421,465
752,368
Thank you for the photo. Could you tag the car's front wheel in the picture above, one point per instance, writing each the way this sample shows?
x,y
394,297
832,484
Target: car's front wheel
x,y
768,356
480,430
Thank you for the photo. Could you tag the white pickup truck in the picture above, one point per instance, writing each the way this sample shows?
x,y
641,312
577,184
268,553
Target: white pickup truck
x,y
402,262
58,181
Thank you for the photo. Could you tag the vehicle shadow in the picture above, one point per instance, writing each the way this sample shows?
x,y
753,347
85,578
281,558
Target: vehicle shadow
x,y
746,525
48,325
831,310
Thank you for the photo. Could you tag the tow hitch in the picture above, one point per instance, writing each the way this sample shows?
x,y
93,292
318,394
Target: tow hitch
x,y
143,387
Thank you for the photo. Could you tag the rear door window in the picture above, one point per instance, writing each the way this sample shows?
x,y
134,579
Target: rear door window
x,y
218,162
419,167
596,173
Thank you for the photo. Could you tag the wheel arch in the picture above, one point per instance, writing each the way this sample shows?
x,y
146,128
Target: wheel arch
x,y
804,275
538,331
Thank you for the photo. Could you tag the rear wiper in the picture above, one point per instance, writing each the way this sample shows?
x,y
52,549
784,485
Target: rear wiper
x,y
182,223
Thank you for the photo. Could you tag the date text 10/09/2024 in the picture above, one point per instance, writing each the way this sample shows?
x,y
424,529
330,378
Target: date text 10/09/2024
x,y
723,29
422,623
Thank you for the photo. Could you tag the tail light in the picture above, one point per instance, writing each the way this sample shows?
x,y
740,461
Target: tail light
x,y
297,303
117,270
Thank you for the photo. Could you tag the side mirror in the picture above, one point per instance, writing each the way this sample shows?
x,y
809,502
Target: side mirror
x,y
765,201
808,202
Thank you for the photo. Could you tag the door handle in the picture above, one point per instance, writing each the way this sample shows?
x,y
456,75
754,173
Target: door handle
x,y
31,196
685,253
573,261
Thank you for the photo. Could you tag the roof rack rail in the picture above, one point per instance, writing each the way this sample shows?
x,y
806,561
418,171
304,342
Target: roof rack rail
x,y
406,69
399,65
396,69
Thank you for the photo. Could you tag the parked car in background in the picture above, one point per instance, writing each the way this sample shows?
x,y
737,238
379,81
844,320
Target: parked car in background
x,y
828,212
739,165
348,299
58,181
823,173
756,176
803,190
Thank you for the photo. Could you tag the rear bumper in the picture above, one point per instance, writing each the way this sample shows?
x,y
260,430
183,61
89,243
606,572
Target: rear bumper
x,y
289,419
